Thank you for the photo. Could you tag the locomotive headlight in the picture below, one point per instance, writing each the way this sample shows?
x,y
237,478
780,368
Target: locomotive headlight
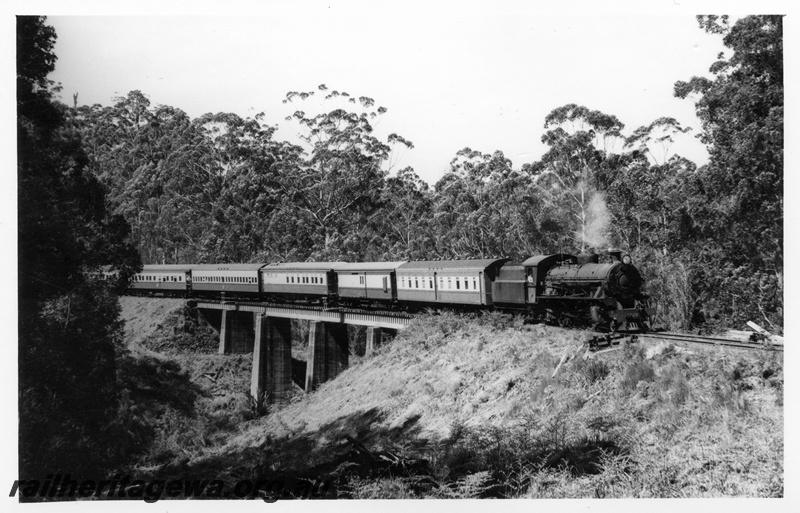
x,y
627,260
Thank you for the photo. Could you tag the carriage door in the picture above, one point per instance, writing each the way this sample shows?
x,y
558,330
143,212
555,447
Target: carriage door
x,y
530,284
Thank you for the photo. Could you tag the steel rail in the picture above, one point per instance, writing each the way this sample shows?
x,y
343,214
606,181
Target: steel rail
x,y
716,341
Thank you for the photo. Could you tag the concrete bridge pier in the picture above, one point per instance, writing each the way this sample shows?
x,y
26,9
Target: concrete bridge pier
x,y
271,379
328,353
236,332
374,338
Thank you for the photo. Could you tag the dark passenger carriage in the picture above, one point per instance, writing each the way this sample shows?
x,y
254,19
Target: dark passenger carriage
x,y
464,282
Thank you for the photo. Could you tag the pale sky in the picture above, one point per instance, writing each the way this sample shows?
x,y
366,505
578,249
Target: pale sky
x,y
451,75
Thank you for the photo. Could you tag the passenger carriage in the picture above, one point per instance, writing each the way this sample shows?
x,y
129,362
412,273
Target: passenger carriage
x,y
464,282
368,280
300,279
163,279
232,279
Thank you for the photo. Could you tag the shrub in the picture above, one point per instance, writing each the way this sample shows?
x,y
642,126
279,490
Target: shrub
x,y
673,385
636,371
593,370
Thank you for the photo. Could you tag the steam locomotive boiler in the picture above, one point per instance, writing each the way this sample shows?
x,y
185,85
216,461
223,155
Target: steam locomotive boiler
x,y
609,292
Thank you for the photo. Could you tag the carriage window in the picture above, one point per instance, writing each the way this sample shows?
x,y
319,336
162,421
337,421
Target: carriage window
x,y
458,283
430,282
416,281
466,284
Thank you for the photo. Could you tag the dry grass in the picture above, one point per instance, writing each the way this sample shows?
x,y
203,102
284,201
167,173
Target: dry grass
x,y
474,403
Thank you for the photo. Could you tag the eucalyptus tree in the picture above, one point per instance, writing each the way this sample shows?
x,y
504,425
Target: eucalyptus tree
x,y
483,208
569,175
242,155
335,184
402,227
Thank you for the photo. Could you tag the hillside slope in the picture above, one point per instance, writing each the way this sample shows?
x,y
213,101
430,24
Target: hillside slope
x,y
468,407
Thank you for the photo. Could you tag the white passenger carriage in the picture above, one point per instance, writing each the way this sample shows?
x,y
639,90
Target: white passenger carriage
x,y
165,278
300,279
368,280
229,278
465,282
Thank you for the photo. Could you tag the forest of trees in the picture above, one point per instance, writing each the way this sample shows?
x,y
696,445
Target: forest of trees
x,y
99,184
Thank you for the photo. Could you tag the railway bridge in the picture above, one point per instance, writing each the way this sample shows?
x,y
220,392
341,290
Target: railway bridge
x,y
265,330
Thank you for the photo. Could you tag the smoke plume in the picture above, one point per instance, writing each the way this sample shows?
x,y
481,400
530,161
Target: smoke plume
x,y
594,230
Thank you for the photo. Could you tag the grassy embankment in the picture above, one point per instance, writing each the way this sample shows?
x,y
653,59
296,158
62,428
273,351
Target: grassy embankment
x,y
467,407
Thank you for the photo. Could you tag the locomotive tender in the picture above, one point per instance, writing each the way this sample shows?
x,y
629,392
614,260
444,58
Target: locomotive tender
x,y
558,288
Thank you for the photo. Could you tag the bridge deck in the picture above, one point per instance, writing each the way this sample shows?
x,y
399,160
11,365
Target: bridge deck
x,y
389,320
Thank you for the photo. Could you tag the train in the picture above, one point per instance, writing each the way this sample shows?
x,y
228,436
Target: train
x,y
558,288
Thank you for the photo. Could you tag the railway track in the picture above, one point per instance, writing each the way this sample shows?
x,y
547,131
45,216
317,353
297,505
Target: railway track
x,y
714,341
611,341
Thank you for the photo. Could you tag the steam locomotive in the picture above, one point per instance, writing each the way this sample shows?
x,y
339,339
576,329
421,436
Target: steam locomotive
x,y
560,288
